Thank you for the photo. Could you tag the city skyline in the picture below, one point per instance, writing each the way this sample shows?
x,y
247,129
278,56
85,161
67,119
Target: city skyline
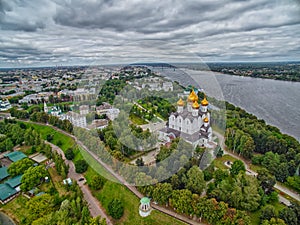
x,y
50,32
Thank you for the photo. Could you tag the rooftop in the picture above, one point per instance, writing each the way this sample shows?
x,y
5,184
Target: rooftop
x,y
145,200
14,182
15,156
6,191
3,173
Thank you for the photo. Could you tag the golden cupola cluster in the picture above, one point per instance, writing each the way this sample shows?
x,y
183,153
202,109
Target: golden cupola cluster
x,y
193,100
193,96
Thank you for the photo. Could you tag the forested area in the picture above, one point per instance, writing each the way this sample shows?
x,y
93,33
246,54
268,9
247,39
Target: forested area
x,y
53,207
37,115
265,145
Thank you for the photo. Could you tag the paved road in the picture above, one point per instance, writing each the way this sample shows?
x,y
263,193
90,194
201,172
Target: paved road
x,y
93,203
251,172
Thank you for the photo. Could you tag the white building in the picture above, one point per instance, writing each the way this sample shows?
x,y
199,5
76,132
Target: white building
x,y
4,105
192,123
53,111
112,113
84,109
102,109
76,119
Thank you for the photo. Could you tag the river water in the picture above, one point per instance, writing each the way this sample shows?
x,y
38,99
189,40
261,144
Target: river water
x,y
277,102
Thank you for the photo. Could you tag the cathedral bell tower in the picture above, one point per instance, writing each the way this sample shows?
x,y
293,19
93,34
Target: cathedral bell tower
x,y
204,104
180,105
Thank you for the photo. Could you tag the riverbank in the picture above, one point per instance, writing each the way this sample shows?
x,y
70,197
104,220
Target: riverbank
x,y
274,101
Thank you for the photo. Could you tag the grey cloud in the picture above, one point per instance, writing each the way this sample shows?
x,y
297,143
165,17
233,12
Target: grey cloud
x,y
77,31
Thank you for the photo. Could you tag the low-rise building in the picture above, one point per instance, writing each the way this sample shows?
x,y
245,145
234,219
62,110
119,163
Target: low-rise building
x,y
99,124
102,109
112,113
76,119
84,109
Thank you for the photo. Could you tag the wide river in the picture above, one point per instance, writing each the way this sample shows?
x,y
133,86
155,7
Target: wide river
x,y
277,102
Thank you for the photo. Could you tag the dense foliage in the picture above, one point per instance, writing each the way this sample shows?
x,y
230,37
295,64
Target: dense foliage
x,y
264,144
19,167
81,166
116,208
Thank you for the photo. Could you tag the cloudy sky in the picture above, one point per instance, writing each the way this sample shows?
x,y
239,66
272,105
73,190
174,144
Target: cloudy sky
x,y
69,32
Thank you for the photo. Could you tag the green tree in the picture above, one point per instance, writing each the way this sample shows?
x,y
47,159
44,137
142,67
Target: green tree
x,y
97,182
195,180
39,206
81,166
116,208
181,200
273,221
32,177
236,167
20,167
289,216
267,181
8,144
162,193
70,154
268,212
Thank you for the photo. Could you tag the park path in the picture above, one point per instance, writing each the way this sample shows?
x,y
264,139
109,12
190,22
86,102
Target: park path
x,y
121,180
278,186
93,203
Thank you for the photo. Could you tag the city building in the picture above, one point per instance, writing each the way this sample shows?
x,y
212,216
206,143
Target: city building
x,y
84,109
99,124
4,105
192,123
53,111
112,113
76,119
102,109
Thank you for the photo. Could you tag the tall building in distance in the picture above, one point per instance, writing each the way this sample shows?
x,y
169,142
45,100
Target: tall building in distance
x,y
191,122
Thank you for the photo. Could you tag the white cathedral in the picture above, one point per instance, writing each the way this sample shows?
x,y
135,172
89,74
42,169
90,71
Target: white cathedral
x,y
192,123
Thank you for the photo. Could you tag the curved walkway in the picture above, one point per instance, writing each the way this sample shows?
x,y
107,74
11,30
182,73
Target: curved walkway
x,y
93,203
121,180
281,188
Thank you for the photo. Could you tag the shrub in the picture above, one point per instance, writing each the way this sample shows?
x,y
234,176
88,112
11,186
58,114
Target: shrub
x,y
81,166
116,208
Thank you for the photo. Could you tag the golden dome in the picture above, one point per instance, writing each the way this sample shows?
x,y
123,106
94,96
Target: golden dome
x,y
193,96
180,102
205,120
204,102
195,105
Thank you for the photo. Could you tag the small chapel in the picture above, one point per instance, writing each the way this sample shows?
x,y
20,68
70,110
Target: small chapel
x,y
191,122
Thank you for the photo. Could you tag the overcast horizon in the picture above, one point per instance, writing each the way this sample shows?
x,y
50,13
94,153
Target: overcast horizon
x,y
73,32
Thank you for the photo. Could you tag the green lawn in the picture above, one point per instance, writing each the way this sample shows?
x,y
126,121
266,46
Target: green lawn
x,y
219,162
131,204
57,136
16,208
255,216
137,120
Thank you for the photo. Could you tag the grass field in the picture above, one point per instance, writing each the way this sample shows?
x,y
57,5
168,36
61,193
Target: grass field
x,y
255,216
16,208
219,162
137,120
58,137
131,204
